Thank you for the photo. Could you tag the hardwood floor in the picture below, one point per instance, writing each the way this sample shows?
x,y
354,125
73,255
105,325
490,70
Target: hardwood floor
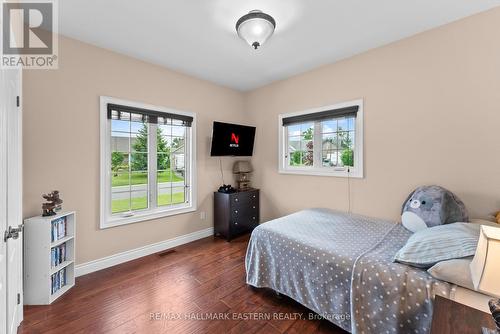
x,y
148,295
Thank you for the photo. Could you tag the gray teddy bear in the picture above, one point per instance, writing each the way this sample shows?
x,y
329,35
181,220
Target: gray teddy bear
x,y
430,206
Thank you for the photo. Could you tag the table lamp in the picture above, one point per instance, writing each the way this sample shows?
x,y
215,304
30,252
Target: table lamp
x,y
242,169
485,270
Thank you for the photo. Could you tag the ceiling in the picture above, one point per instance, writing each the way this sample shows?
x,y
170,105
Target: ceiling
x,y
198,37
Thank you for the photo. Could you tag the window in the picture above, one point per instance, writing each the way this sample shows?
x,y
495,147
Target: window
x,y
323,141
147,162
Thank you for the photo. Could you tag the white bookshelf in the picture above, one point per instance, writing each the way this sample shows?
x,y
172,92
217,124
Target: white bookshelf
x,y
38,268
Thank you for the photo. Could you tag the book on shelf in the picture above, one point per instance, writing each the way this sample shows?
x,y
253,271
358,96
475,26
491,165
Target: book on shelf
x,y
58,228
58,255
58,280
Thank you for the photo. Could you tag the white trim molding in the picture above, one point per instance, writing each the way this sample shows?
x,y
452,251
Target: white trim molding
x,y
355,172
113,260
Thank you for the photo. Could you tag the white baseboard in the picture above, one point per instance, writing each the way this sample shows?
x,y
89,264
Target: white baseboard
x,y
113,260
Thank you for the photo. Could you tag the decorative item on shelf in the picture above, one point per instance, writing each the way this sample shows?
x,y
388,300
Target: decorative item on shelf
x,y
53,203
485,270
242,169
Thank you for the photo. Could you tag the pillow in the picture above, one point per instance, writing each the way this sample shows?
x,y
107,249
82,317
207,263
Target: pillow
x,y
429,246
456,271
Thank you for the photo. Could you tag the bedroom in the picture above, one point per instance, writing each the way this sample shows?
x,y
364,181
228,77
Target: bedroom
x,y
420,84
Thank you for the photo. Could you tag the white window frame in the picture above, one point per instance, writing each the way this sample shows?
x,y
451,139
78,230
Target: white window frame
x,y
317,169
110,220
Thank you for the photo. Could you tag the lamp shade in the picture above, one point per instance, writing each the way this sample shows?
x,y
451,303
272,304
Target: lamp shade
x,y
242,167
485,267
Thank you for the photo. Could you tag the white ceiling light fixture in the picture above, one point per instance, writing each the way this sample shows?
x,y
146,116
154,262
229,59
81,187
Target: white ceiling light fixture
x,y
255,27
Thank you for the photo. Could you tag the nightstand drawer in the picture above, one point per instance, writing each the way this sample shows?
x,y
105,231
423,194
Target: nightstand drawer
x,y
244,211
243,224
245,198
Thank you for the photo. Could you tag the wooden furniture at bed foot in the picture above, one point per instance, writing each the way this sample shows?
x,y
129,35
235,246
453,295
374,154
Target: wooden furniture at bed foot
x,y
451,317
236,213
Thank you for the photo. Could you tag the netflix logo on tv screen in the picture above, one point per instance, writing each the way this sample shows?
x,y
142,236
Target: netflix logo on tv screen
x,y
232,139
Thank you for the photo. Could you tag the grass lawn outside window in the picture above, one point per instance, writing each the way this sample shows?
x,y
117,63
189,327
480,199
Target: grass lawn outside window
x,y
122,179
138,203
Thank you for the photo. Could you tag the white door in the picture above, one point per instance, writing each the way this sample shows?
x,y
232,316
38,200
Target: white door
x,y
11,274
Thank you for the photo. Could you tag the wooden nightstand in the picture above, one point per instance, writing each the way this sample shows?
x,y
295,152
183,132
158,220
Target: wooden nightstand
x,y
236,213
453,318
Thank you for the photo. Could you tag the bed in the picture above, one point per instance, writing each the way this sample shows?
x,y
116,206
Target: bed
x,y
340,266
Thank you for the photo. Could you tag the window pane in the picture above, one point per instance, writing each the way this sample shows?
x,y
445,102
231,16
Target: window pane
x,y
139,179
329,126
329,158
346,157
122,126
345,140
296,158
342,124
294,143
139,162
178,131
352,137
120,200
307,130
301,158
330,141
307,145
120,141
178,195
139,141
164,130
169,183
137,127
294,130
139,200
307,158
168,176
162,161
119,162
120,179
351,123
300,144
164,193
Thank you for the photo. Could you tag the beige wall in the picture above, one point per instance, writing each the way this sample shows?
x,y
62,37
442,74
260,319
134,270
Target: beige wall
x,y
61,139
432,115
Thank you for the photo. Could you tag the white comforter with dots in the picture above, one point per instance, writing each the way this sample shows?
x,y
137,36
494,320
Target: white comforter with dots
x,y
340,266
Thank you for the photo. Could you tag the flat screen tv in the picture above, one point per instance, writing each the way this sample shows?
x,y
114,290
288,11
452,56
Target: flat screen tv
x,y
232,140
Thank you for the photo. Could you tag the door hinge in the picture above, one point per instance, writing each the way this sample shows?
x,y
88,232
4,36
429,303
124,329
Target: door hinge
x,y
18,298
18,101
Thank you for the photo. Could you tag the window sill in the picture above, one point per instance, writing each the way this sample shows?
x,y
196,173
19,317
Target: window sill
x,y
322,172
138,216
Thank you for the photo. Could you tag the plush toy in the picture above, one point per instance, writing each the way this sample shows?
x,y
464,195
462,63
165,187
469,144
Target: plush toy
x,y
429,206
497,217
